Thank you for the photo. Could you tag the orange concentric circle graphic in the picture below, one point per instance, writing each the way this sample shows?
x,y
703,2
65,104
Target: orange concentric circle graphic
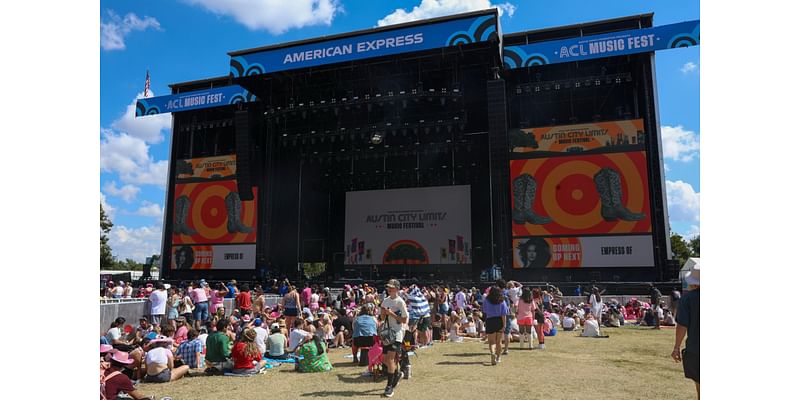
x,y
566,192
208,214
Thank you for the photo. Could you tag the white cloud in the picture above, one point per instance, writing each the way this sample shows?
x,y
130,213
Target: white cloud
x,y
108,208
689,67
693,231
147,128
135,243
275,16
437,8
149,209
679,144
114,30
127,192
683,202
129,157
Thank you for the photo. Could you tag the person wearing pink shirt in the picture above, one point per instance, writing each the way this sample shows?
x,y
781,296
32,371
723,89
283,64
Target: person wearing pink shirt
x,y
525,307
200,300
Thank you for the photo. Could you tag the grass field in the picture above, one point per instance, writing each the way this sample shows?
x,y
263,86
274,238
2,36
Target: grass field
x,y
634,363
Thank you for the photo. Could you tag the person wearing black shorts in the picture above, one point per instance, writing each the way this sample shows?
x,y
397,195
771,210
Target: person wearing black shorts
x,y
688,324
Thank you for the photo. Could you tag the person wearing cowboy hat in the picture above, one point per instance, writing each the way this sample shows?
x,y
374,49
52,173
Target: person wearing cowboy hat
x,y
688,320
115,381
182,332
160,362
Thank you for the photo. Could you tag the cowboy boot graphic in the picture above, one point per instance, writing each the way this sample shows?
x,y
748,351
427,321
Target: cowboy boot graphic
x,y
524,196
182,205
233,205
609,188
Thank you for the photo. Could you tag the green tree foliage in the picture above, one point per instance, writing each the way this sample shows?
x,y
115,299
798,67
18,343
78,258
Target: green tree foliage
x,y
694,246
680,249
106,258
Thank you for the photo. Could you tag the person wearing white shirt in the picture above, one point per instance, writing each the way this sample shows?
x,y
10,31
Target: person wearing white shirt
x,y
590,327
569,323
158,304
261,336
298,335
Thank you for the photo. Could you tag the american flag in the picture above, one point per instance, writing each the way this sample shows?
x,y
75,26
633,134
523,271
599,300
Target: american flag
x,y
147,83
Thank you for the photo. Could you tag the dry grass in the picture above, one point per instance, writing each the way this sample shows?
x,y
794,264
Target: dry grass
x,y
634,363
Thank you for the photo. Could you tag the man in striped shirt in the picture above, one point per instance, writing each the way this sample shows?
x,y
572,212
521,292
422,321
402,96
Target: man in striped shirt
x,y
420,314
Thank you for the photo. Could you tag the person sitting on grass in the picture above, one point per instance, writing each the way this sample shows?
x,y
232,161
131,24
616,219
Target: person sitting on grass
x,y
315,357
247,358
160,362
299,335
113,380
365,327
277,343
218,350
190,352
568,323
590,327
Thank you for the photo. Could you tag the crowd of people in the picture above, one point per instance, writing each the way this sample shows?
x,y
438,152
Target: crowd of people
x,y
188,331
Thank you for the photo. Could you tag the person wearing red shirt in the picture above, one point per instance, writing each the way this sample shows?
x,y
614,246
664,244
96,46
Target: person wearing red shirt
x,y
247,358
116,381
243,300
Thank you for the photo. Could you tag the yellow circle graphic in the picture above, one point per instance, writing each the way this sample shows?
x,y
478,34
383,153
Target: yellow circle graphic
x,y
551,207
209,232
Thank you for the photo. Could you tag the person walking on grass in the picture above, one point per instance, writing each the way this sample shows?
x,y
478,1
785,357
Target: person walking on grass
x,y
496,310
525,307
688,319
395,313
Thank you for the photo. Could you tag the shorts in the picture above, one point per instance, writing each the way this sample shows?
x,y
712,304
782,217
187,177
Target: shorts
x,y
290,312
494,325
163,376
691,365
424,324
201,311
156,319
443,309
396,346
363,341
525,321
507,331
283,356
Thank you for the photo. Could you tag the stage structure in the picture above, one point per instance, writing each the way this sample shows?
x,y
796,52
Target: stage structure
x,y
432,149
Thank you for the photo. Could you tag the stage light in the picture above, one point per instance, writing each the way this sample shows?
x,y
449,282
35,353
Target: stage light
x,y
377,138
597,82
558,86
537,89
577,84
618,80
519,90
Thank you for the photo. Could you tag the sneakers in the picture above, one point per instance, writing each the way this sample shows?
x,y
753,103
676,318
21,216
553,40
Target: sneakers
x,y
388,392
541,346
494,359
505,352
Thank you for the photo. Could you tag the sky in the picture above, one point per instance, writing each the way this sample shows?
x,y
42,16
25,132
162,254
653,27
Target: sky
x,y
184,40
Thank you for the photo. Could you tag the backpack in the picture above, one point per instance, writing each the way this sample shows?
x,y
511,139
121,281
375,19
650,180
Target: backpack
x,y
103,379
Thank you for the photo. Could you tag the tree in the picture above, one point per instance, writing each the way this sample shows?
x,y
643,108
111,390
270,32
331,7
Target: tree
x,y
694,246
680,250
106,258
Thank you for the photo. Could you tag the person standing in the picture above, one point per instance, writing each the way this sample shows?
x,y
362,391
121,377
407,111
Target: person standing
x,y
675,298
305,296
495,310
128,293
688,319
289,306
394,312
461,299
420,314
525,307
200,300
655,301
173,301
158,304
244,301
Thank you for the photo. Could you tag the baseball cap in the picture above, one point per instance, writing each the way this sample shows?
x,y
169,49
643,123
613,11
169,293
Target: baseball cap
x,y
275,325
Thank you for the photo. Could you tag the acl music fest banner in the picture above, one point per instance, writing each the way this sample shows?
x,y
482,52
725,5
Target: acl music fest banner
x,y
420,226
236,256
594,137
213,213
584,252
579,195
207,168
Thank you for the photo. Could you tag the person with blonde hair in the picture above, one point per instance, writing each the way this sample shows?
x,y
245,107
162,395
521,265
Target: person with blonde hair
x,y
246,356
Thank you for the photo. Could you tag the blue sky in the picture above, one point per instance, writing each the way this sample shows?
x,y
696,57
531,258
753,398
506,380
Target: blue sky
x,y
189,39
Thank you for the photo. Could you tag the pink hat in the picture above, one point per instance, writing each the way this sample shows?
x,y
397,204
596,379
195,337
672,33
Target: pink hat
x,y
105,348
160,339
122,358
275,315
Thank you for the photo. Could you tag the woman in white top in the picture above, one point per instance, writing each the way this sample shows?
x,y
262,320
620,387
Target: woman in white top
x,y
160,362
597,304
590,327
454,326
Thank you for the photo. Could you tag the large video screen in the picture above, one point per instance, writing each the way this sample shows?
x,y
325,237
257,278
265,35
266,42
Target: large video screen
x,y
580,195
213,213
583,252
418,226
